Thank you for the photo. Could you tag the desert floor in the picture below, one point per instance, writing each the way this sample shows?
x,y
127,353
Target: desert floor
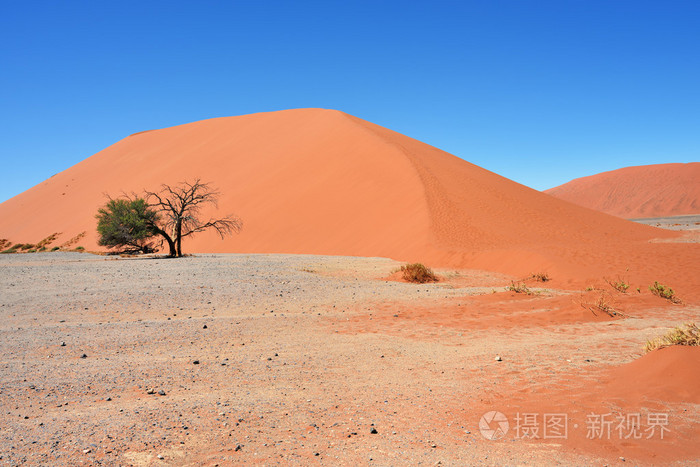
x,y
281,359
672,223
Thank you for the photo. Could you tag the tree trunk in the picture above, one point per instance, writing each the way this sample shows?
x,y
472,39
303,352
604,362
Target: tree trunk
x,y
171,245
177,233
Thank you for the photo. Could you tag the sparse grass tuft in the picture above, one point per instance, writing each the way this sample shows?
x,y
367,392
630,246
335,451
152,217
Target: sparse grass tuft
x,y
602,305
519,288
419,273
678,336
9,251
80,249
56,248
540,277
664,291
620,285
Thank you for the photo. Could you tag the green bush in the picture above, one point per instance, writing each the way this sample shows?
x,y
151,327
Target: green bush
x,y
126,223
55,248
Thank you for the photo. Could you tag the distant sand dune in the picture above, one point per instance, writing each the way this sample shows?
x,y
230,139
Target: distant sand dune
x,y
661,190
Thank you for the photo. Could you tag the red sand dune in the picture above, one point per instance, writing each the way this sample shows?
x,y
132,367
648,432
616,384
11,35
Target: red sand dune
x,y
323,182
637,192
668,374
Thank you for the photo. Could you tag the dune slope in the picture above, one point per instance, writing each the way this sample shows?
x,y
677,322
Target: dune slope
x,y
323,182
660,190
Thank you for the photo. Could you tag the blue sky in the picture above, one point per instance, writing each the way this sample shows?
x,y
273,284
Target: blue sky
x,y
537,91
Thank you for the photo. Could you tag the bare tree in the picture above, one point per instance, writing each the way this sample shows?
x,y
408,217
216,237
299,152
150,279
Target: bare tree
x,y
180,213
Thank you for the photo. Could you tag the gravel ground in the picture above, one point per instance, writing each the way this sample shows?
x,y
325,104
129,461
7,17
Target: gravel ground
x,y
238,359
672,223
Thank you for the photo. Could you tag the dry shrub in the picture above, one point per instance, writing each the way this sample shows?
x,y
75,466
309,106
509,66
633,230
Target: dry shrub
x,y
602,305
73,240
678,336
417,272
519,288
540,277
48,240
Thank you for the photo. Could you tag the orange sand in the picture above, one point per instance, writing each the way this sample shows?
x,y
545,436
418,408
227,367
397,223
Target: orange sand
x,y
324,182
662,382
661,190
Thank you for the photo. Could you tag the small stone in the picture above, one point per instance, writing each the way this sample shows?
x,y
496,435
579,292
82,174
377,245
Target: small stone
x,y
196,362
87,451
317,454
161,392
204,327
373,431
63,344
150,391
498,358
108,399
160,456
622,459
83,356
238,447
